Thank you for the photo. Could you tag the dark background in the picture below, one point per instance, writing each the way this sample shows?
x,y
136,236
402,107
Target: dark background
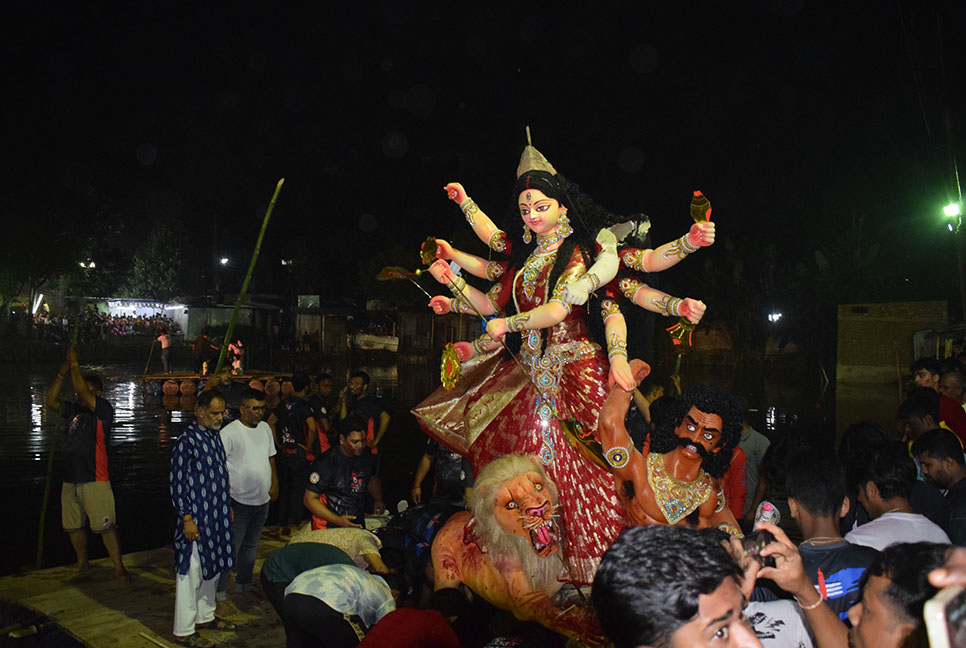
x,y
812,126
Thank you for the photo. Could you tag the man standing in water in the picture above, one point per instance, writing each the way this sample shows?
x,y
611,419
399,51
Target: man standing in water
x,y
86,496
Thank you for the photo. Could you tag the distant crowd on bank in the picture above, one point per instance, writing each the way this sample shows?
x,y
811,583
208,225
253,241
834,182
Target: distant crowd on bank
x,y
89,324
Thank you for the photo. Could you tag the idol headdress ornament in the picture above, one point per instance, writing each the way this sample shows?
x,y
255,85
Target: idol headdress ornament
x,y
533,160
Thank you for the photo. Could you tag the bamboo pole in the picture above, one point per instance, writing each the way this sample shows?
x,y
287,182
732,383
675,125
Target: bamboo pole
x,y
38,563
41,530
248,276
150,353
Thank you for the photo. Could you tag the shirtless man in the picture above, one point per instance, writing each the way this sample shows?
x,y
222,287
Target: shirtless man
x,y
677,479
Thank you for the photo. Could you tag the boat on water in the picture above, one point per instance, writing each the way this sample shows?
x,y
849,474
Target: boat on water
x,y
370,342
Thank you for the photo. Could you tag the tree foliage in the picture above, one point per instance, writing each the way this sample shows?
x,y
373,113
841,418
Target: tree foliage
x,y
158,268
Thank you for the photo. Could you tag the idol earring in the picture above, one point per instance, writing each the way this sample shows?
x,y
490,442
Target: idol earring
x,y
565,228
527,234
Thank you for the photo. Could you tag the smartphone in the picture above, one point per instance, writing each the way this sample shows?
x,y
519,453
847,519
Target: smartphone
x,y
754,542
945,616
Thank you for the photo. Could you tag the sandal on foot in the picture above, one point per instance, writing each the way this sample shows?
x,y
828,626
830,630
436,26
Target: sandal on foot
x,y
218,624
195,641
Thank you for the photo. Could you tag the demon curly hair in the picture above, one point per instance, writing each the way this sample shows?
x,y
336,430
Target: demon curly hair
x,y
711,400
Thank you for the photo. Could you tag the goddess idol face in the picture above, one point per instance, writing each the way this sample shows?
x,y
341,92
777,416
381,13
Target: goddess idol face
x,y
540,213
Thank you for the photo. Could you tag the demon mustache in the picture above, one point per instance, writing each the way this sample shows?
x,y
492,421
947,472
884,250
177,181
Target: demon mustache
x,y
688,443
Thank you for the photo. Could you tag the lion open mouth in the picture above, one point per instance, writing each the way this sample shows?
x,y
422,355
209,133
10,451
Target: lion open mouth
x,y
544,538
542,529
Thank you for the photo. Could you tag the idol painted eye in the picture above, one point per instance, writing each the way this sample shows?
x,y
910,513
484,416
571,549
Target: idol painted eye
x,y
543,208
511,505
524,211
537,486
708,436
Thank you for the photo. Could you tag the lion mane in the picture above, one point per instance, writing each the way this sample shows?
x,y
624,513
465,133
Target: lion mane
x,y
507,550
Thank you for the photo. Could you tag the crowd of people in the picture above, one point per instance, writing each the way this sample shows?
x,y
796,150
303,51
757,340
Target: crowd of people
x,y
93,325
686,526
872,521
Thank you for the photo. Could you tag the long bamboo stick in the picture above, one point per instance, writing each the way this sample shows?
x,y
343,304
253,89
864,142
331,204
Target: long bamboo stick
x,y
248,276
45,498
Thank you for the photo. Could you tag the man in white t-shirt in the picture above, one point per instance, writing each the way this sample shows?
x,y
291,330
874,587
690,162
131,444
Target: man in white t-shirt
x,y
253,483
884,485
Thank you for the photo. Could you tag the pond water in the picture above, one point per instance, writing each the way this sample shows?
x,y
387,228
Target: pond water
x,y
144,431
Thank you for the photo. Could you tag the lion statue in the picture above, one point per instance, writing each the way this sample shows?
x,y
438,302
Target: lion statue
x,y
507,548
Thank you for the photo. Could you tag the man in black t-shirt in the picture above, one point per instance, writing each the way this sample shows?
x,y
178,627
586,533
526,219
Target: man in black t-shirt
x,y
299,443
941,456
337,483
355,401
453,475
86,495
321,400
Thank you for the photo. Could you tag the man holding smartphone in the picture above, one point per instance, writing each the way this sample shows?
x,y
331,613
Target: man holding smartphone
x,y
889,612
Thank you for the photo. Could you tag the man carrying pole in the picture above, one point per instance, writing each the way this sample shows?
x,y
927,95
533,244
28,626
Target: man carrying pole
x,y
86,496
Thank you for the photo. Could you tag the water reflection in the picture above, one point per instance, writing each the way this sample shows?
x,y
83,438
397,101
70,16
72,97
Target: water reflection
x,y
147,425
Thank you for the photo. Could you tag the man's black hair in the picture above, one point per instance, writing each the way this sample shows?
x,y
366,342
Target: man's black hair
x,y
300,381
95,381
888,466
396,582
920,402
250,393
950,365
956,372
205,398
323,376
449,602
352,424
856,438
710,400
939,444
648,582
361,374
394,559
907,566
816,480
928,363
653,380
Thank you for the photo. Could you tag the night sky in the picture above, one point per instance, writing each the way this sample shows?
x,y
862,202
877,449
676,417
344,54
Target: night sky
x,y
791,115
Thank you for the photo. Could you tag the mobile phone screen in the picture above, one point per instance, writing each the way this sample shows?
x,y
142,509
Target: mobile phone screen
x,y
945,616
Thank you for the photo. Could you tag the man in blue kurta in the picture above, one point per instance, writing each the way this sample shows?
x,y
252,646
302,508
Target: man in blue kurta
x,y
203,536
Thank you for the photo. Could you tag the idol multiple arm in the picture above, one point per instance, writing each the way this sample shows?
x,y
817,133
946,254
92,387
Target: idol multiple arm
x,y
467,299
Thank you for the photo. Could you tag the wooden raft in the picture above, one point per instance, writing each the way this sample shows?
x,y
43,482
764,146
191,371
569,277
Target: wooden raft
x,y
100,612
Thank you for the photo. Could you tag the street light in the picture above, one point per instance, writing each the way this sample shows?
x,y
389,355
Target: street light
x,y
953,211
223,260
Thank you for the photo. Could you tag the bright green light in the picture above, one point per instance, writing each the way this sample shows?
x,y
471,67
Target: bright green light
x,y
952,210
